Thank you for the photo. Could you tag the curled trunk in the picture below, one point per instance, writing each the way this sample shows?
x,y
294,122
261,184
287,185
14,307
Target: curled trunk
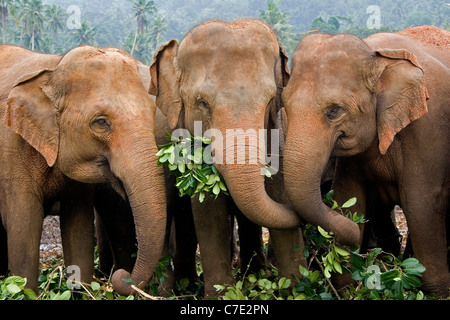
x,y
305,160
144,185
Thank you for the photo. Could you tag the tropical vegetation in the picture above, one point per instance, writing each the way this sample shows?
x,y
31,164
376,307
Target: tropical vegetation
x,y
140,26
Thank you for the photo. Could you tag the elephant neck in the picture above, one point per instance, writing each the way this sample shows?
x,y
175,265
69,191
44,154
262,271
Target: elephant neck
x,y
379,167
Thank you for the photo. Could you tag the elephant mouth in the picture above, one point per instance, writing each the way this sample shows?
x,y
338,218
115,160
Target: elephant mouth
x,y
111,178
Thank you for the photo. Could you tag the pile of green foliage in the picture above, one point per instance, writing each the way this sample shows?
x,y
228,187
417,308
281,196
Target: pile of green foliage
x,y
376,275
190,159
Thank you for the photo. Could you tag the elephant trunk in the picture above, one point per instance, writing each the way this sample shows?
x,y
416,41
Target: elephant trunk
x,y
243,172
144,185
305,160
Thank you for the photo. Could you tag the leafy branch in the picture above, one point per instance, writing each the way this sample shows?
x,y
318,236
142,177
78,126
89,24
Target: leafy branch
x,y
190,160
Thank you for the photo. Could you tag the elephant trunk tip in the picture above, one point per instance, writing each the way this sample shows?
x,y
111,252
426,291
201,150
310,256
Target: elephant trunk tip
x,y
122,281
346,231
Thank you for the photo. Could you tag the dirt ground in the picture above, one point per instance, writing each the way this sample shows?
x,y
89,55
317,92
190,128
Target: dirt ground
x,y
50,248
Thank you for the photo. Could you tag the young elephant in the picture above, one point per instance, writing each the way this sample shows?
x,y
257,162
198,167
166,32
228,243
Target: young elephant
x,y
229,77
69,121
382,106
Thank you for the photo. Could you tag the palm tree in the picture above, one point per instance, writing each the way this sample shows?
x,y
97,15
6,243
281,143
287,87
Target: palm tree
x,y
141,8
279,22
4,11
85,35
157,31
33,18
55,21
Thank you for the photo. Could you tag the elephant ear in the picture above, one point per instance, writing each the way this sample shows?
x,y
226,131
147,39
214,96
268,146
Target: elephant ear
x,y
32,115
401,94
281,74
281,79
164,82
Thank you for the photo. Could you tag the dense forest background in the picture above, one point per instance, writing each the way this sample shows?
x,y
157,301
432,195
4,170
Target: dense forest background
x,y
140,26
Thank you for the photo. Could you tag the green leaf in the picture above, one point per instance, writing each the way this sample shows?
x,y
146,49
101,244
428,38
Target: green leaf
x,y
198,155
164,158
170,149
267,172
412,266
211,179
160,152
216,189
323,232
222,186
17,280
201,196
219,287
95,286
357,262
341,252
30,294
327,270
303,271
62,296
410,281
374,295
171,158
349,203
420,295
252,278
13,288
337,266
284,283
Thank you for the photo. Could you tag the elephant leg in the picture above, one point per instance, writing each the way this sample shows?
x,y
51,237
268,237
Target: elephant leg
x,y
425,213
118,232
213,227
3,251
185,242
251,246
77,231
287,246
23,225
168,283
105,254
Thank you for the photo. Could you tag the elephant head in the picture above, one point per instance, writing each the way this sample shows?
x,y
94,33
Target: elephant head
x,y
343,99
92,119
229,76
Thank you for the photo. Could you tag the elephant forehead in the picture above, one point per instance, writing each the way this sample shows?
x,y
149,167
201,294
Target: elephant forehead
x,y
217,39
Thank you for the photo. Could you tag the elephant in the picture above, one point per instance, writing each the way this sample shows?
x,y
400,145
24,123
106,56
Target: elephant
x,y
381,105
116,237
229,77
69,122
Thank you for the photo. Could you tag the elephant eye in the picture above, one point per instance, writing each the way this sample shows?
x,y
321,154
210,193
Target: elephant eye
x,y
333,112
204,104
100,123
